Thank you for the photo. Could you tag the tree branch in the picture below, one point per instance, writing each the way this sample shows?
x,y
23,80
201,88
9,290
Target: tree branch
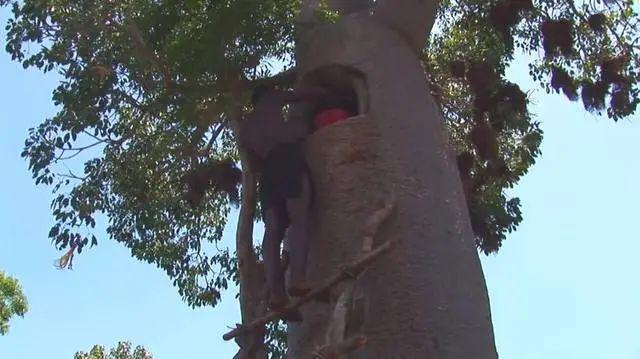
x,y
619,39
141,45
214,135
349,271
71,175
77,151
250,272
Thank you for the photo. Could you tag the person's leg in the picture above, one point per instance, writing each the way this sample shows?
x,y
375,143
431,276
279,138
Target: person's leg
x,y
298,210
274,227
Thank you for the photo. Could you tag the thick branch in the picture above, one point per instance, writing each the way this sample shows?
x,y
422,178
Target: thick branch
x,y
412,18
250,272
349,271
247,258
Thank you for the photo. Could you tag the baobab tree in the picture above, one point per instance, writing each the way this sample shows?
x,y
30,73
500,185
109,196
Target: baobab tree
x,y
151,92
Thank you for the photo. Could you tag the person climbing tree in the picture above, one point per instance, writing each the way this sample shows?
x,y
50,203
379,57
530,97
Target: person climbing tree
x,y
285,185
144,92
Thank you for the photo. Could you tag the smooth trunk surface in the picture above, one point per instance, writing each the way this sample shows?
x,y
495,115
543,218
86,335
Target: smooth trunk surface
x,y
427,298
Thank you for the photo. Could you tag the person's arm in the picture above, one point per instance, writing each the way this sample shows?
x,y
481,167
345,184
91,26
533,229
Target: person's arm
x,y
251,138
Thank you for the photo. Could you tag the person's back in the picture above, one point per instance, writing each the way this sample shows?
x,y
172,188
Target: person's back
x,y
265,128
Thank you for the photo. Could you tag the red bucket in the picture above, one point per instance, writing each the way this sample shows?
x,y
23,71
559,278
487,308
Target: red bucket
x,y
330,116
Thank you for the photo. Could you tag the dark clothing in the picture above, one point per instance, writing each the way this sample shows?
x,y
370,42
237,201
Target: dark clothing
x,y
265,128
285,188
283,171
278,144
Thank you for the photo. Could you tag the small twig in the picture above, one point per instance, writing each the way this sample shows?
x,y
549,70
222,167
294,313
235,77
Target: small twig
x,y
335,351
77,150
71,176
215,134
356,267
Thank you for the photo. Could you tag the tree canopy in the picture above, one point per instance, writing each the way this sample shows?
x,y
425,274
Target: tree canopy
x,y
12,301
147,89
122,351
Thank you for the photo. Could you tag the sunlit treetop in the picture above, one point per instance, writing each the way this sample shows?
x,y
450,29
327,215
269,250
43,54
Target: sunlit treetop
x,y
122,351
12,301
147,89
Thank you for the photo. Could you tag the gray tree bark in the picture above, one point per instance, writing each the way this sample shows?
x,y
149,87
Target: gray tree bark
x,y
427,298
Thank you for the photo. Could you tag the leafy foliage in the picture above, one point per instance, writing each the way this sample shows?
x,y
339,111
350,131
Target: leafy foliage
x,y
122,351
276,340
142,101
591,48
12,301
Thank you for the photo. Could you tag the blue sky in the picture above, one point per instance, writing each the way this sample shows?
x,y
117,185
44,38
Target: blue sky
x,y
564,286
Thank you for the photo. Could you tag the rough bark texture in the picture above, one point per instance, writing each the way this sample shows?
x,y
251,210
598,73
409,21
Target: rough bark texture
x,y
427,298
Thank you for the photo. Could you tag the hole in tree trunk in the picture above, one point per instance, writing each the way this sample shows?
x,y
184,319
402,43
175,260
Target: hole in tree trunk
x,y
347,94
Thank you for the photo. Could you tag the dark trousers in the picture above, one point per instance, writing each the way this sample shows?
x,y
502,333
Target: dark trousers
x,y
285,197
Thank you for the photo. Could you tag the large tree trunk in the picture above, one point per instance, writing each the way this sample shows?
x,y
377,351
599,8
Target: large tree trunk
x,y
427,298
